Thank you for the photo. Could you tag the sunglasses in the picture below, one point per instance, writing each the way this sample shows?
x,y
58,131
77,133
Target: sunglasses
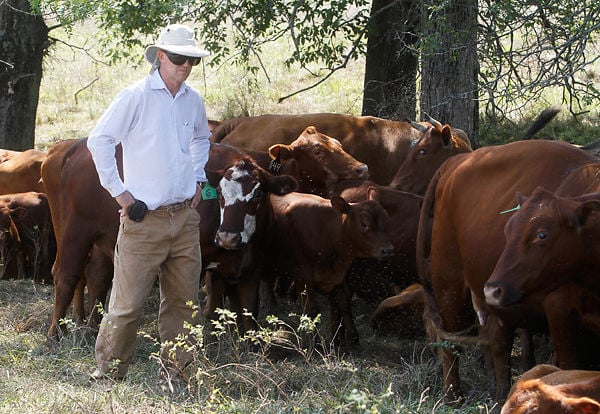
x,y
179,60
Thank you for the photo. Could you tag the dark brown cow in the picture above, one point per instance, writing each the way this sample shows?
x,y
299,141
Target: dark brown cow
x,y
31,216
313,242
381,144
20,171
376,279
232,241
10,241
546,389
461,237
402,314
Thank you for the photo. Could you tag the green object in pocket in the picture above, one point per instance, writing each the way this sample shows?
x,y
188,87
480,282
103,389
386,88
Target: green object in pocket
x,y
209,192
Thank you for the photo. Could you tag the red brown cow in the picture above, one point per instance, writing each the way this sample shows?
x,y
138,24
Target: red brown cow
x,y
31,216
381,144
20,171
313,242
401,314
86,219
547,389
461,237
551,259
438,143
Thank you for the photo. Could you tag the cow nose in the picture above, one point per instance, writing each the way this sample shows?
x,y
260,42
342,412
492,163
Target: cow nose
x,y
362,171
229,241
387,252
498,295
493,294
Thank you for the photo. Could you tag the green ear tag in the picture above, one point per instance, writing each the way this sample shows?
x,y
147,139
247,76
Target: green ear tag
x,y
209,192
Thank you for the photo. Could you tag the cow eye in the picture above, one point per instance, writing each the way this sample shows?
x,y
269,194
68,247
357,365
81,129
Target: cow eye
x,y
363,226
542,235
422,151
258,193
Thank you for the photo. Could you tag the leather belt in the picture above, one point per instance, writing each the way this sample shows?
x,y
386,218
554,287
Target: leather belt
x,y
171,208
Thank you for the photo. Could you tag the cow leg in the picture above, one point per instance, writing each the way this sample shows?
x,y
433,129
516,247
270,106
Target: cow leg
x,y
501,340
215,292
98,278
249,300
558,307
341,311
67,273
527,348
79,302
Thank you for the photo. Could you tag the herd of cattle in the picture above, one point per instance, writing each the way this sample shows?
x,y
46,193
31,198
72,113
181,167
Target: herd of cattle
x,y
447,240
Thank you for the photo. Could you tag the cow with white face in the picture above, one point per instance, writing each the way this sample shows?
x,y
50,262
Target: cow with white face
x,y
231,227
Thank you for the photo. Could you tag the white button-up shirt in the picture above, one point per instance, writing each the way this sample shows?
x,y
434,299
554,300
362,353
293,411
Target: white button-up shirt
x,y
164,139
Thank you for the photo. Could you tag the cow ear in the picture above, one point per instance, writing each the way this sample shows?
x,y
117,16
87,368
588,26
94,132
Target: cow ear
x,y
585,209
521,198
18,213
373,193
279,150
583,405
214,177
339,204
446,135
281,184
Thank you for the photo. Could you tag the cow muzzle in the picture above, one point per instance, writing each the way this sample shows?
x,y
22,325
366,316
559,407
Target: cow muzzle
x,y
230,241
497,295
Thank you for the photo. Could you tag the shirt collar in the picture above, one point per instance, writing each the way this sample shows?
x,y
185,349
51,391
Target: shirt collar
x,y
156,82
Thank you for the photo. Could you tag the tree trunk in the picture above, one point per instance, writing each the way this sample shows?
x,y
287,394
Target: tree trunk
x,y
23,41
449,65
391,63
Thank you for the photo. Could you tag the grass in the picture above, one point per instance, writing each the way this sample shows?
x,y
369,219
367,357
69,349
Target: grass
x,y
389,375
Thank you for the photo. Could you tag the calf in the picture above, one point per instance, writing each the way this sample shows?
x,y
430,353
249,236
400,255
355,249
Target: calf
x,y
31,216
313,241
547,389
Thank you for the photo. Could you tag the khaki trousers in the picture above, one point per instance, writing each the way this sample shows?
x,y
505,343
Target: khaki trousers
x,y
165,244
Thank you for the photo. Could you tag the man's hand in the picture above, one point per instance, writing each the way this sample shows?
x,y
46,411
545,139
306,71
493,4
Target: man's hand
x,y
125,200
198,196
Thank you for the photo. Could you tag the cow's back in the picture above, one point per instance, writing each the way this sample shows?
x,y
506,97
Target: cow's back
x,y
380,143
20,171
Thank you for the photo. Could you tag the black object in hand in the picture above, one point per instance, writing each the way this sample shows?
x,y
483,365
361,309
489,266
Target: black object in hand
x,y
138,210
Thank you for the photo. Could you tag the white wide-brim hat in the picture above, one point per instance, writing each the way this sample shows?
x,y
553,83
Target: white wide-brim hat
x,y
175,38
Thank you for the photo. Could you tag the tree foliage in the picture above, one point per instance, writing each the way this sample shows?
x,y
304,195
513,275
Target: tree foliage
x,y
523,47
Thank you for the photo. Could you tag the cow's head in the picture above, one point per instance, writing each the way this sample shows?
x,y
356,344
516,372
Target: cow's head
x,y
547,245
366,226
10,240
243,191
318,162
437,144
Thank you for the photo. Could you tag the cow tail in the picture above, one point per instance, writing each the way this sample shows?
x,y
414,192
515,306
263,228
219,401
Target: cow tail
x,y
542,120
431,316
224,129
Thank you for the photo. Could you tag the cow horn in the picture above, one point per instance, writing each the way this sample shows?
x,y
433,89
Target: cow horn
x,y
432,121
417,126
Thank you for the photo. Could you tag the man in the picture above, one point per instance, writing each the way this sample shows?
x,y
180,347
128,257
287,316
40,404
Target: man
x,y
162,127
